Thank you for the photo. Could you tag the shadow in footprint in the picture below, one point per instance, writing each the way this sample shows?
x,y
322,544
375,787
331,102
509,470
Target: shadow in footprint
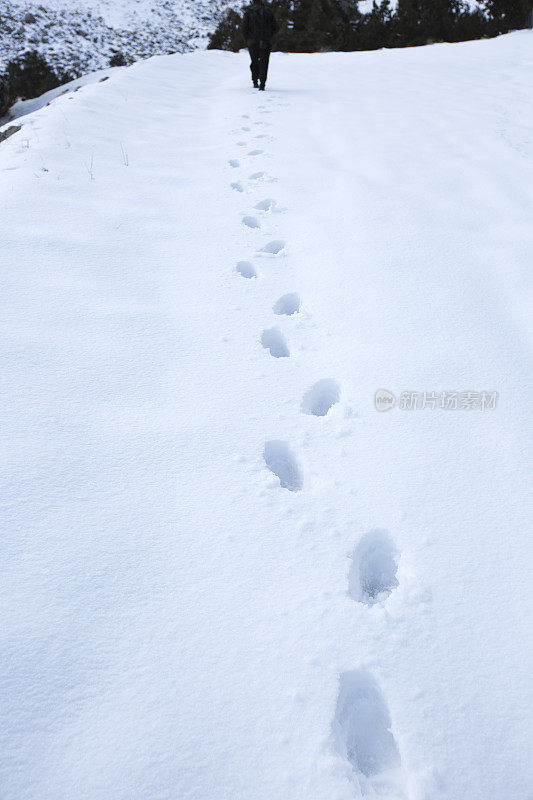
x,y
237,186
374,566
246,269
255,152
233,162
258,176
251,222
273,340
266,205
274,248
321,397
280,460
289,304
362,726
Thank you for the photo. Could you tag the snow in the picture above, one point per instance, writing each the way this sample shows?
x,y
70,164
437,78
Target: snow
x,y
226,574
131,13
23,107
83,38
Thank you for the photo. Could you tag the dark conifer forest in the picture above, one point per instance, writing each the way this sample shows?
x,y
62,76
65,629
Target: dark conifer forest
x,y
323,25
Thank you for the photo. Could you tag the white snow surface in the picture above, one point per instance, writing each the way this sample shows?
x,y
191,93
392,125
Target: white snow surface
x,y
226,575
23,107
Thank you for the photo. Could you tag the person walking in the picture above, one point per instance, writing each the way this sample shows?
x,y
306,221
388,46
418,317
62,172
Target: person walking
x,y
259,27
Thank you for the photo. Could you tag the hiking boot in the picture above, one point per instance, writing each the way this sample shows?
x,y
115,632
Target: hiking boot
x,y
256,85
262,87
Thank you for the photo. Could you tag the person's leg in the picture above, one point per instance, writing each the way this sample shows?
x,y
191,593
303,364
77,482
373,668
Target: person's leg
x,y
253,49
263,74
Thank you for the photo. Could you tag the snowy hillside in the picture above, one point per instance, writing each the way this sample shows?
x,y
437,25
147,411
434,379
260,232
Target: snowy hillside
x,y
83,37
225,573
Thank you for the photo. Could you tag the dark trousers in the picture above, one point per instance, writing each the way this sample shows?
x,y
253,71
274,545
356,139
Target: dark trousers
x,y
260,56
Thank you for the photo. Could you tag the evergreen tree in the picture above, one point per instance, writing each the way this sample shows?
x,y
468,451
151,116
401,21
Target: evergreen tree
x,y
438,20
420,22
407,23
374,30
30,75
283,10
472,24
314,25
350,19
228,35
507,15
323,24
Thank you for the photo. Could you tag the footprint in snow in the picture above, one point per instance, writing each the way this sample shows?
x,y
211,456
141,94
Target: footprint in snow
x,y
266,205
237,186
245,128
374,566
246,269
251,222
273,340
281,462
321,397
274,248
262,176
362,732
233,162
289,304
256,152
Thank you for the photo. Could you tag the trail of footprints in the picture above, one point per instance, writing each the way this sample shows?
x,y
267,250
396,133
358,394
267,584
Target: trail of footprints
x,y
362,723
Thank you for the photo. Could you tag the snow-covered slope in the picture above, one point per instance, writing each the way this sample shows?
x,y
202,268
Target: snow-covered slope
x,y
83,37
225,574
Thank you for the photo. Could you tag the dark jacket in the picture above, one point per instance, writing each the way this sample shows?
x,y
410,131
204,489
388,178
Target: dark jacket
x,y
259,24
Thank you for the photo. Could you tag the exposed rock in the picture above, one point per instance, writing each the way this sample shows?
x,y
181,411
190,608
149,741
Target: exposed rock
x,y
9,132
